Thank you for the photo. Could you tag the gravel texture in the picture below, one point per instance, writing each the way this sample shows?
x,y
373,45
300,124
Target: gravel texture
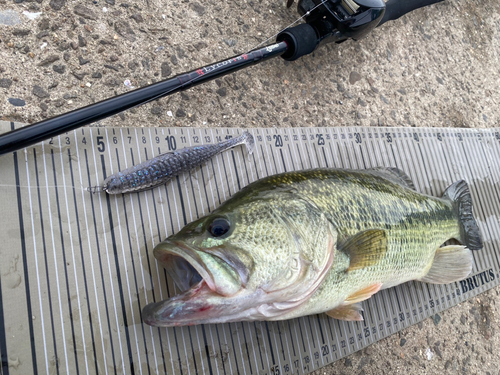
x,y
438,67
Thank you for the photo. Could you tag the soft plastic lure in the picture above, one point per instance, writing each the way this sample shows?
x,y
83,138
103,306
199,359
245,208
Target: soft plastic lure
x,y
162,168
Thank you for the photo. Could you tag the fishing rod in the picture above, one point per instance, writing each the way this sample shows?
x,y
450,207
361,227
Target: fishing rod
x,y
326,21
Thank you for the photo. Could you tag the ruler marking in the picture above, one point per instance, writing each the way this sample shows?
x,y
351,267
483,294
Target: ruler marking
x,y
381,296
402,318
274,160
492,192
192,350
249,328
55,260
418,183
220,349
207,352
425,156
308,155
182,201
298,321
290,152
82,263
63,252
3,342
236,171
126,271
246,168
490,206
386,295
331,152
311,145
158,273
154,299
432,188
483,205
459,173
118,272
450,175
316,153
417,138
308,358
491,173
131,197
273,360
400,147
236,324
265,346
287,344
90,250
245,341
283,160
100,260
143,227
124,256
197,179
258,344
401,151
45,259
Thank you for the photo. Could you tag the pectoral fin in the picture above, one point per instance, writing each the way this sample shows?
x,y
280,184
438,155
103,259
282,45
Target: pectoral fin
x,y
451,263
363,294
365,248
347,312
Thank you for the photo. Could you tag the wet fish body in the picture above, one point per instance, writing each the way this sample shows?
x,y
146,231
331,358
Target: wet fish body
x,y
160,169
316,241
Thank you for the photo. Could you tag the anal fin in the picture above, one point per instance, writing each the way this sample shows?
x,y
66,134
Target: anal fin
x,y
451,263
347,312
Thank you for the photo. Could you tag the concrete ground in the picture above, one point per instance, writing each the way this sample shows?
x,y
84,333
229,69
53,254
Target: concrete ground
x,y
438,67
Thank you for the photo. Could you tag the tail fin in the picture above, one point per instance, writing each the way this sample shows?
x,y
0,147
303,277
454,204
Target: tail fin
x,y
459,194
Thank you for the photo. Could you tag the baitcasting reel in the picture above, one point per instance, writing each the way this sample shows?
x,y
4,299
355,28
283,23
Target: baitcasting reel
x,y
331,21
339,20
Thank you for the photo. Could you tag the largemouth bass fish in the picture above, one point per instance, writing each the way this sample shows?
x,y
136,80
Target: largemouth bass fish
x,y
314,241
162,168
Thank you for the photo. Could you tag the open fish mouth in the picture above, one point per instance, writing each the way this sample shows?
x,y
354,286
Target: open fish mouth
x,y
204,280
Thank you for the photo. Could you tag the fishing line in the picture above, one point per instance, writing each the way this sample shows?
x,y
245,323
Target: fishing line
x,y
247,51
293,23
45,186
95,189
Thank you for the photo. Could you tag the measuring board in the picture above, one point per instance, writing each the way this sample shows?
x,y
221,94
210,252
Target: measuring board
x,y
77,268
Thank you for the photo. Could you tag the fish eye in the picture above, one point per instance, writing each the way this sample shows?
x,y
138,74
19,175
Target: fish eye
x,y
219,227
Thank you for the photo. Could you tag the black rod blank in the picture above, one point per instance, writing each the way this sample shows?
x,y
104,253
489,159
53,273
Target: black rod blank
x,y
55,126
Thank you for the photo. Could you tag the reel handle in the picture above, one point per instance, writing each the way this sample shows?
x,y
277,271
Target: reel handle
x,y
398,8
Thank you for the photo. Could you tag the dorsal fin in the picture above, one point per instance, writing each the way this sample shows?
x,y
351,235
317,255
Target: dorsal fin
x,y
392,174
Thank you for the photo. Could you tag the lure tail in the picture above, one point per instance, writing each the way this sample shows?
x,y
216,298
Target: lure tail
x,y
249,142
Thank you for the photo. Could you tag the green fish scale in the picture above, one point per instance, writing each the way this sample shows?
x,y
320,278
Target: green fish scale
x,y
261,231
275,216
416,225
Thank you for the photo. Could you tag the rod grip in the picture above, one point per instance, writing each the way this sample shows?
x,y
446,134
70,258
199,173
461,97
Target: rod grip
x,y
301,40
398,8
